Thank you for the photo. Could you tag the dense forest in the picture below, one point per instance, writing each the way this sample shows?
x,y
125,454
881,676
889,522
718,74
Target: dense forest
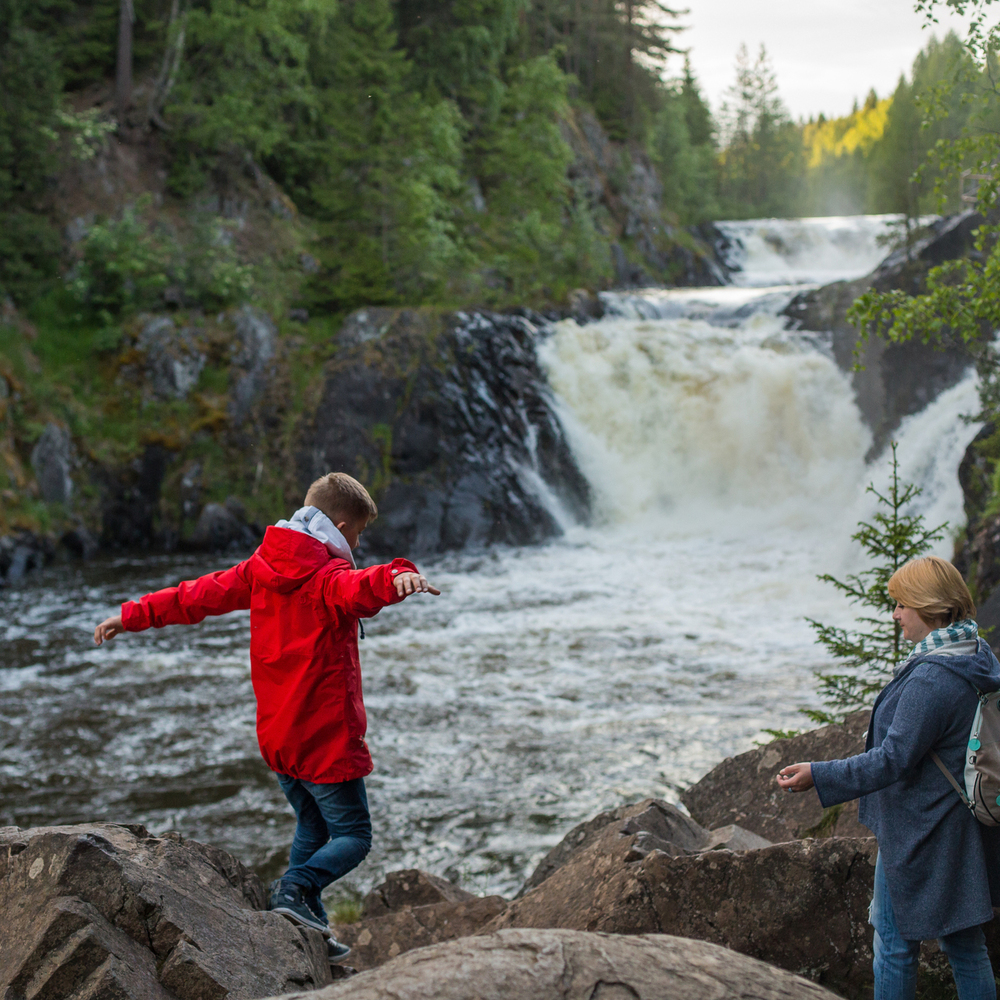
x,y
433,149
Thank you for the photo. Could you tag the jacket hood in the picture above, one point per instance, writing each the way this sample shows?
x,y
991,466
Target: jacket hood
x,y
312,521
286,559
980,668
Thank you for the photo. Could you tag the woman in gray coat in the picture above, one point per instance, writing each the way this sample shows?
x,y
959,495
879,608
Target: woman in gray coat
x,y
938,868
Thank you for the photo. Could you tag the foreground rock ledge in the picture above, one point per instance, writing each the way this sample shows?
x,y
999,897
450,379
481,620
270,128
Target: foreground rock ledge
x,y
106,912
572,965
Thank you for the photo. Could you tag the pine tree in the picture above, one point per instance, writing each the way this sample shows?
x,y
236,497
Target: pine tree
x,y
869,652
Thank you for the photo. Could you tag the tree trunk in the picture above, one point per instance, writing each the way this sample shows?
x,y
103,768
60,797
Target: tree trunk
x,y
123,71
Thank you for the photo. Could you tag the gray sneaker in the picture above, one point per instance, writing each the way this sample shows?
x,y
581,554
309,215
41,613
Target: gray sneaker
x,y
287,899
336,951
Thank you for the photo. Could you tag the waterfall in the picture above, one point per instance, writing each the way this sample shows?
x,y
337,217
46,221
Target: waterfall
x,y
797,251
687,408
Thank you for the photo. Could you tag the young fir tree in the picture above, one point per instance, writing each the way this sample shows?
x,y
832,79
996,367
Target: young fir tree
x,y
868,653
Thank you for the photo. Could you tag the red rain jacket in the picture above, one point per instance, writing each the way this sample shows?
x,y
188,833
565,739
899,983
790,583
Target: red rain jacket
x,y
304,610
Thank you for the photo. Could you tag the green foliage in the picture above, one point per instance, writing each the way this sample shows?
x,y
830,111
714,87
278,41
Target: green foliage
x,y
377,166
30,84
960,306
682,145
615,51
127,263
84,35
535,232
868,653
243,81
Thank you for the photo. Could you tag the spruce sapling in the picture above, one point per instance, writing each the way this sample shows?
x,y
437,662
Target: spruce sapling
x,y
869,652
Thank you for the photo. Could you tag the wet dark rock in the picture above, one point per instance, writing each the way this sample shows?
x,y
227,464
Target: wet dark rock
x,y
22,552
896,380
252,361
52,462
743,789
95,911
449,420
131,500
571,965
812,918
80,543
221,527
173,360
584,306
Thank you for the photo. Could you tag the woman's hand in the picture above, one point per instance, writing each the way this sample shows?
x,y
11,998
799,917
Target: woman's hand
x,y
796,777
108,629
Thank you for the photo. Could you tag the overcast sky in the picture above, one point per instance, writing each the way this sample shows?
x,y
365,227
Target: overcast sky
x,y
825,52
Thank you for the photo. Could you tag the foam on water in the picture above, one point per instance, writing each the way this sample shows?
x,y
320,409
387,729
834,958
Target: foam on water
x,y
545,684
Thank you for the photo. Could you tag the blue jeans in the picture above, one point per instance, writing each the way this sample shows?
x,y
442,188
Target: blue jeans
x,y
332,836
896,958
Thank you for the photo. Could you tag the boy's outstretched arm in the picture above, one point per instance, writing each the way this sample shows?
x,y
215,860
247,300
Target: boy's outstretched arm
x,y
186,604
364,592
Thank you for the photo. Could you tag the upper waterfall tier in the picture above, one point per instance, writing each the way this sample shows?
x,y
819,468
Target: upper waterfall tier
x,y
764,252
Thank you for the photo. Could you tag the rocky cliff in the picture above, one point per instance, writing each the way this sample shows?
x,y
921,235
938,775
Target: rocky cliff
x,y
449,418
446,416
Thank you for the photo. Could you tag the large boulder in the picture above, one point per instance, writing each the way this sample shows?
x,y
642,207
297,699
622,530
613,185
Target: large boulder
x,y
103,911
635,829
570,965
221,527
411,909
447,418
802,905
743,789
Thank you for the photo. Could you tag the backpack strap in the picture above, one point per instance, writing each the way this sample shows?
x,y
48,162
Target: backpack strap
x,y
951,778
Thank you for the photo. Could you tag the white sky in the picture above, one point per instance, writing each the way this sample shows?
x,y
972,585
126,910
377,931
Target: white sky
x,y
825,52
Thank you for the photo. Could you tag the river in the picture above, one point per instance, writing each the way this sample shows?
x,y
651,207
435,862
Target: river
x,y
622,660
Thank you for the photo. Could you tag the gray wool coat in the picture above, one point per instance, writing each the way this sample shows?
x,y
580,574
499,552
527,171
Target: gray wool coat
x,y
941,864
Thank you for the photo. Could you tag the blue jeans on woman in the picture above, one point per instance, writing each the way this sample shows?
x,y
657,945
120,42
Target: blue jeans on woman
x,y
896,958
332,836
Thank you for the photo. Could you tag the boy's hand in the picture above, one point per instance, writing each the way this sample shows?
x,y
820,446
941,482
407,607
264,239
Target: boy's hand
x,y
413,583
796,777
108,629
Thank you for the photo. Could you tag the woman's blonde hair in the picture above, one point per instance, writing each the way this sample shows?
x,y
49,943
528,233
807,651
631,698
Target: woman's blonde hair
x,y
934,589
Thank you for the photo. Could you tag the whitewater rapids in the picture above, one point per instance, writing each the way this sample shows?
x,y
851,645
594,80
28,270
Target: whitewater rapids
x,y
625,659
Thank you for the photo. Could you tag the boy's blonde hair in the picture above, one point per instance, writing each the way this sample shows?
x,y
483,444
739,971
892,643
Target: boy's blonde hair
x,y
342,498
934,589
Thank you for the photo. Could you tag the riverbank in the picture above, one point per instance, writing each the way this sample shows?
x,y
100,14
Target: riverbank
x,y
179,918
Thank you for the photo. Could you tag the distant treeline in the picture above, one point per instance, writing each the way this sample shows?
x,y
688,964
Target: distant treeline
x,y
426,141
880,158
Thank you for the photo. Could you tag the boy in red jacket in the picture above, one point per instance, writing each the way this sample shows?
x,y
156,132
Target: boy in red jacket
x,y
306,597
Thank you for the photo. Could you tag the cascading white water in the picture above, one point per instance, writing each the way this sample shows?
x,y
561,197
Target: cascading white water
x,y
677,419
794,251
